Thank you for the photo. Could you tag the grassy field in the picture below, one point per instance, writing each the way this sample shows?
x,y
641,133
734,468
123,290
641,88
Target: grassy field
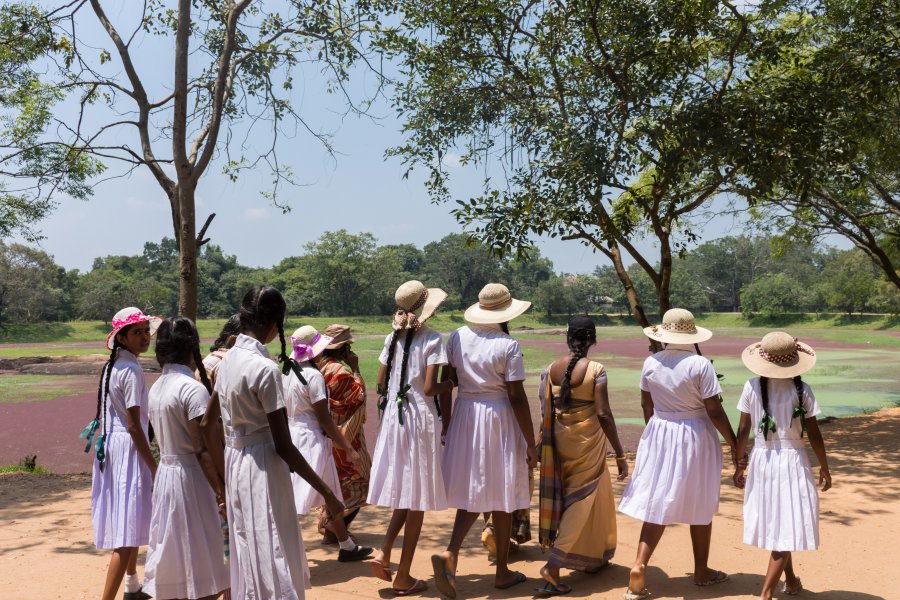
x,y
35,388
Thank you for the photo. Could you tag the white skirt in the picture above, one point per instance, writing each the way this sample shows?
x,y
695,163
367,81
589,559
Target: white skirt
x,y
185,558
316,448
121,495
406,464
268,560
677,473
485,458
781,502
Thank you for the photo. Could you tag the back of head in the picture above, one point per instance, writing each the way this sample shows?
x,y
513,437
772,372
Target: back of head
x,y
581,331
177,341
231,329
262,307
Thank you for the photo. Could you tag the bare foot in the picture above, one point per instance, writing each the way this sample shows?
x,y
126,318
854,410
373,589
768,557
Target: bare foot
x,y
550,574
636,580
507,579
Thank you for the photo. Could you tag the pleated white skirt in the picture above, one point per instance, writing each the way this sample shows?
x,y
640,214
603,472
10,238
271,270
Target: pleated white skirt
x,y
406,464
677,473
185,558
316,448
268,560
485,458
121,495
781,502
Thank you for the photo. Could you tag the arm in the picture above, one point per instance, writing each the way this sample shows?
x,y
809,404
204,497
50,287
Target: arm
x,y
206,463
448,373
213,436
721,423
352,361
515,390
331,430
133,425
432,386
285,448
818,446
742,435
646,405
608,425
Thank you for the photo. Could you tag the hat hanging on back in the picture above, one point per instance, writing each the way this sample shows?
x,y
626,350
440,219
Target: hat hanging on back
x,y
416,304
130,316
678,327
495,305
779,356
308,343
340,336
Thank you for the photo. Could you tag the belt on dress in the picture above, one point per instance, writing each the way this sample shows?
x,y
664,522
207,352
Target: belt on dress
x,y
116,428
185,460
310,420
242,441
680,415
777,444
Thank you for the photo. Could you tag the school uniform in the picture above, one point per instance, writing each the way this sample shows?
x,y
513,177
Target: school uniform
x,y
185,558
485,457
406,464
267,556
781,502
121,492
308,437
678,468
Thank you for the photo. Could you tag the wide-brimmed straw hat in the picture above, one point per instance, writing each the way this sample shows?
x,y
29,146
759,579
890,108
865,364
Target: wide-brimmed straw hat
x,y
495,305
678,327
340,336
130,316
308,343
416,304
779,356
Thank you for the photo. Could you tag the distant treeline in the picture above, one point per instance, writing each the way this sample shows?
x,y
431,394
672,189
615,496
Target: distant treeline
x,y
350,274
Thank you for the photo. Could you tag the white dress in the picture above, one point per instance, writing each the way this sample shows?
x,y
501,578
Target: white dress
x,y
267,556
307,435
781,502
485,457
121,492
185,558
678,469
406,464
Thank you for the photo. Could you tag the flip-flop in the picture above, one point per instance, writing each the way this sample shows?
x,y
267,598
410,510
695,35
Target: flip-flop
x,y
792,592
417,588
381,570
719,577
516,580
641,595
553,590
444,579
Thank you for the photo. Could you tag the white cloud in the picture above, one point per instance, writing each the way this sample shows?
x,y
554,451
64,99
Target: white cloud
x,y
256,214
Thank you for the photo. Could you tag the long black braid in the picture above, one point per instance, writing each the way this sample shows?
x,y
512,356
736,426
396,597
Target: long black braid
x,y
261,307
383,391
402,388
177,342
768,422
100,415
581,335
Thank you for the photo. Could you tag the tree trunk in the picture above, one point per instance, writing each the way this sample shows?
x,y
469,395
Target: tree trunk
x,y
187,243
634,303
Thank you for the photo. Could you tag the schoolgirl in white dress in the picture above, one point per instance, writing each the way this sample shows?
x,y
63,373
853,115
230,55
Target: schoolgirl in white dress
x,y
267,556
781,503
678,467
312,432
124,467
185,557
490,438
406,465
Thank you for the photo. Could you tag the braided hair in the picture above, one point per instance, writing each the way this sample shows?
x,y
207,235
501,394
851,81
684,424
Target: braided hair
x,y
102,395
232,327
177,342
262,307
767,423
404,367
581,334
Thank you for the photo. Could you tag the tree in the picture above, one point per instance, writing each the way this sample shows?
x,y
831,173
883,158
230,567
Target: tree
x,y
340,267
233,64
33,288
605,121
850,281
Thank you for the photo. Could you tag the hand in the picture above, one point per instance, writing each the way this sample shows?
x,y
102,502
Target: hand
x,y
334,506
738,479
352,360
622,465
531,456
825,478
220,502
443,436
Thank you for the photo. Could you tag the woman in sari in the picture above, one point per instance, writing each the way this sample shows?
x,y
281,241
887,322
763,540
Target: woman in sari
x,y
577,511
347,402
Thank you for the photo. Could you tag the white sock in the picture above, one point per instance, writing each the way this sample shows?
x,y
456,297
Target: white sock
x,y
348,544
132,583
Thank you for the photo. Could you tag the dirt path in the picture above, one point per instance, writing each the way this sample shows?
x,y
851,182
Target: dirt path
x,y
46,550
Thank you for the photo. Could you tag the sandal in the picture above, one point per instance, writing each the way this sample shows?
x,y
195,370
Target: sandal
x,y
792,591
381,570
553,590
641,595
417,588
516,580
444,578
718,577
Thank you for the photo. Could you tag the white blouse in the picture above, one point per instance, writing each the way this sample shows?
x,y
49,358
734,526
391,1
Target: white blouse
x,y
485,359
175,399
250,387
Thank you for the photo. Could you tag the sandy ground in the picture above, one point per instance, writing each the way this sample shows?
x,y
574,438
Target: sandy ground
x,y
46,550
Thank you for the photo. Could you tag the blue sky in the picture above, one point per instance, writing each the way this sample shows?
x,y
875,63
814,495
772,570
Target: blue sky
x,y
357,189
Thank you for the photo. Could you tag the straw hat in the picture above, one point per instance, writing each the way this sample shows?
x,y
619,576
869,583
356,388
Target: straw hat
x,y
495,305
340,336
678,327
308,343
779,356
416,304
130,316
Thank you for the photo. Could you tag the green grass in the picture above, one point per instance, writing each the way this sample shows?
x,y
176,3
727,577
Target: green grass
x,y
35,388
38,470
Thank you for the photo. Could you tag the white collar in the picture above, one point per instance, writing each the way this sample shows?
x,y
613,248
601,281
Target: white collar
x,y
178,368
252,344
